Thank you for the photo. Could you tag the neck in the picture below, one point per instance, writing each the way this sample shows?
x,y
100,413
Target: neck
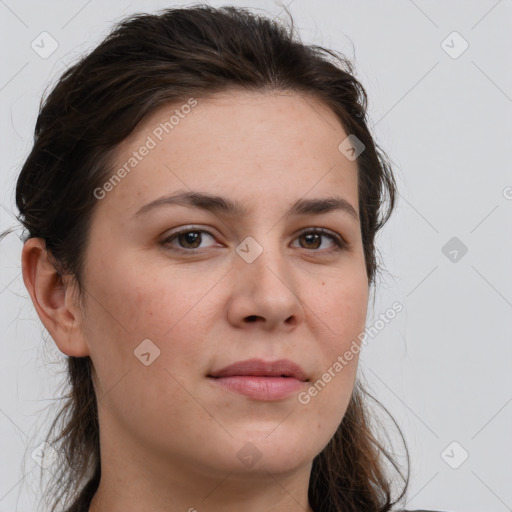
x,y
133,479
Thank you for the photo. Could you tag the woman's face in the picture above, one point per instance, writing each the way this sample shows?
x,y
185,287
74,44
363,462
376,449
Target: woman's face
x,y
164,313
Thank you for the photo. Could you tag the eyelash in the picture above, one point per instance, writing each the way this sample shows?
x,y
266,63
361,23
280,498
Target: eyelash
x,y
339,243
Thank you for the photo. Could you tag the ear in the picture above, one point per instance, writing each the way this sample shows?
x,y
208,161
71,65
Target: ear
x,y
53,297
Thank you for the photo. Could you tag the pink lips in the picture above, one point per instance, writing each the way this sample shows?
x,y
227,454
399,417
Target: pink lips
x,y
262,380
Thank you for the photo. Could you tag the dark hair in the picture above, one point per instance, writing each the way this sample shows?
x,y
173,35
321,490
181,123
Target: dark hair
x,y
148,61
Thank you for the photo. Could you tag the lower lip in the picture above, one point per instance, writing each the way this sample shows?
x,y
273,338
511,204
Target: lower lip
x,y
261,388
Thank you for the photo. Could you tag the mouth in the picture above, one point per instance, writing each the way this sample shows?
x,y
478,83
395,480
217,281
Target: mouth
x,y
258,368
262,380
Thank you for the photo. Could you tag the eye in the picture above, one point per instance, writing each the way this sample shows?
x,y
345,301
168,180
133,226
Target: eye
x,y
191,240
313,239
188,240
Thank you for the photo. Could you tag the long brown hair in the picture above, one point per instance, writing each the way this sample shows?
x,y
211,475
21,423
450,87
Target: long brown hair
x,y
147,61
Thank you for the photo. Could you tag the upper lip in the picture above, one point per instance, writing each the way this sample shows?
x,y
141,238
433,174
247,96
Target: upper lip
x,y
260,368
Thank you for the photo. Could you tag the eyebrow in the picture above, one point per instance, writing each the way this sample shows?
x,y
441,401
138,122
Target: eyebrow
x,y
219,204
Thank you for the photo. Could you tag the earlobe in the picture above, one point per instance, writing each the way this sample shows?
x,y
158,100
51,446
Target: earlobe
x,y
52,297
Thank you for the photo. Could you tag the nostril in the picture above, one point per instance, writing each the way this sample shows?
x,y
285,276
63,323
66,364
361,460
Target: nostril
x,y
252,318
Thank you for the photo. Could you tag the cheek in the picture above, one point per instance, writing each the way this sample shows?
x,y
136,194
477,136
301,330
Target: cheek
x,y
341,304
340,318
146,300
131,303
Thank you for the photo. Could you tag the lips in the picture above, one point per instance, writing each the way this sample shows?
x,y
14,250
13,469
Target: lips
x,y
261,380
260,368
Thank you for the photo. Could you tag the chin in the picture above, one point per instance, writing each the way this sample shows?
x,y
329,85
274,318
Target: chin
x,y
272,451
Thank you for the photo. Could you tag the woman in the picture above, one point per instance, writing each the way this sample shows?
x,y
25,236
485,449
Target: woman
x,y
201,202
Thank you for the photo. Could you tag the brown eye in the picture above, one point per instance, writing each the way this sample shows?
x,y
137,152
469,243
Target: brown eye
x,y
314,238
188,240
311,240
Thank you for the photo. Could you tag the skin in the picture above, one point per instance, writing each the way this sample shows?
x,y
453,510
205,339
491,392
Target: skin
x,y
169,434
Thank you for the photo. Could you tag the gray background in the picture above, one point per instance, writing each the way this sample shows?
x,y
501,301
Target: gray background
x,y
442,366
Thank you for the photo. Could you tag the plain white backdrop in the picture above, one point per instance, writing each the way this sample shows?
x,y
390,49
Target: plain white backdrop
x,y
439,79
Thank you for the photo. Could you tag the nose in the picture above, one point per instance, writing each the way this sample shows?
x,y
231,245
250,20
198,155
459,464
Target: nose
x,y
265,293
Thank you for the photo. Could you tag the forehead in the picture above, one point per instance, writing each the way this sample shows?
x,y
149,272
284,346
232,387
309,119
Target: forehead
x,y
280,145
